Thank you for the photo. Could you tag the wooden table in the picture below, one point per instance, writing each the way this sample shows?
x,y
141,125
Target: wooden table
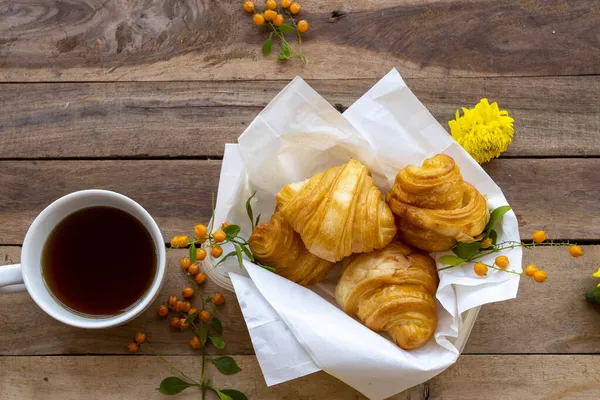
x,y
140,96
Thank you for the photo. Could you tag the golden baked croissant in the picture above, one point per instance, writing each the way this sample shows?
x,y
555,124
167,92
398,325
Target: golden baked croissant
x,y
277,245
435,208
338,212
393,290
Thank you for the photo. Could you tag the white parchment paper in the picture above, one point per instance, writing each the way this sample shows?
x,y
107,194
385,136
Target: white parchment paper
x,y
296,331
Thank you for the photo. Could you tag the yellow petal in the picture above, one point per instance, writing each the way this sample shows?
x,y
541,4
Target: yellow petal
x,y
596,274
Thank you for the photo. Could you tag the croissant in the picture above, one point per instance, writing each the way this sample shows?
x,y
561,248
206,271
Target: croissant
x,y
434,207
392,290
277,245
338,212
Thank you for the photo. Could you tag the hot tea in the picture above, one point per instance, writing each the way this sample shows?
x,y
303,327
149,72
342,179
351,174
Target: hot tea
x,y
99,261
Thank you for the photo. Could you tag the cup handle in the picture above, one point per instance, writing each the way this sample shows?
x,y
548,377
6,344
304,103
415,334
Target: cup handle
x,y
11,279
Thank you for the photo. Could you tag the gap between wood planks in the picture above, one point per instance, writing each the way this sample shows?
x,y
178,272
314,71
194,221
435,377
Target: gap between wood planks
x,y
220,158
275,79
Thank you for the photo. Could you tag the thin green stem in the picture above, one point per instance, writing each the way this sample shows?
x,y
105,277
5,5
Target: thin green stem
x,y
174,368
283,40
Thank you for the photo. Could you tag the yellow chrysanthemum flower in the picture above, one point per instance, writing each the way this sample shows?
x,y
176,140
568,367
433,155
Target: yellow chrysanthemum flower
x,y
596,274
484,131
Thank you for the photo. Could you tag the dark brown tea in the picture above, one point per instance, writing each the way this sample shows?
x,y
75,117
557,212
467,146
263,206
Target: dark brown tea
x,y
99,261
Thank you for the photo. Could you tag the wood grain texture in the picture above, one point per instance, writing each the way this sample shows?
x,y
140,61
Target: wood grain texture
x,y
549,377
554,116
558,195
70,40
545,318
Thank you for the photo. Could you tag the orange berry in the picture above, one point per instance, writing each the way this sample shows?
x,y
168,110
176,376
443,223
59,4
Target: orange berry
x,y
193,269
174,322
187,293
179,241
205,316
225,225
480,269
216,251
186,306
200,254
201,230
295,8
132,347
278,20
270,14
302,26
219,236
183,324
248,6
530,270
172,301
179,306
487,243
540,276
162,311
140,337
195,343
193,310
200,278
502,261
539,236
218,299
575,251
271,4
286,3
258,19
185,263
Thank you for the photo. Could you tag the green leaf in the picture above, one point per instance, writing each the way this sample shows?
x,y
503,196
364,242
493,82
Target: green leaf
x,y
494,236
193,253
497,214
238,252
217,325
234,394
285,28
217,342
226,365
173,385
225,257
257,220
285,52
223,396
191,317
249,209
593,296
247,252
208,299
203,335
266,47
231,231
452,260
269,268
466,250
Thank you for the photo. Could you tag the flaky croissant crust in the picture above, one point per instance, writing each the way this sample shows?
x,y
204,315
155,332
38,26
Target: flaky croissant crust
x,y
338,212
435,208
277,245
392,290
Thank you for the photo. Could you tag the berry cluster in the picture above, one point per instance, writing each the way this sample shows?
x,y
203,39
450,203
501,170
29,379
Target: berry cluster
x,y
273,17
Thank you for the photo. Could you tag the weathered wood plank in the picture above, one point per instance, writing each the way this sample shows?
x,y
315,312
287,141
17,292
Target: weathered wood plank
x,y
549,318
558,195
471,378
554,116
197,40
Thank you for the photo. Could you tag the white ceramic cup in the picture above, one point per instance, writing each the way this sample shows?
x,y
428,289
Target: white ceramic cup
x,y
29,271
